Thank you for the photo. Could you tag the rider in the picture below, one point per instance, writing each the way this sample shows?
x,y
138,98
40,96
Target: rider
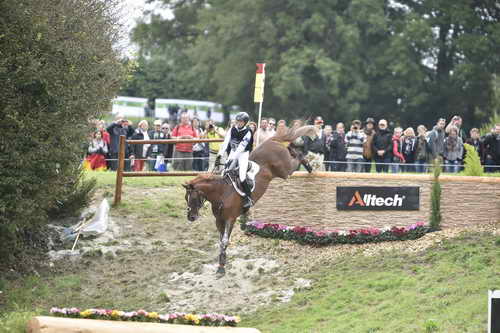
x,y
238,143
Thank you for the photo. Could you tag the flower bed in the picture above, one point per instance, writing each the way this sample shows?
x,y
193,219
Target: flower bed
x,y
305,235
212,319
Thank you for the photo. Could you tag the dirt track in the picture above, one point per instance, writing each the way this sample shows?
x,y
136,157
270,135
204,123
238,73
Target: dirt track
x,y
158,261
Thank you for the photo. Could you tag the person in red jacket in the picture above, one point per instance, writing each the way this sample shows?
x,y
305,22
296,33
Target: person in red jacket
x,y
397,150
183,154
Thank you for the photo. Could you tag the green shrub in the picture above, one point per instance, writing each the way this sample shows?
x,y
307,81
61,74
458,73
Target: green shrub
x,y
59,67
472,162
435,218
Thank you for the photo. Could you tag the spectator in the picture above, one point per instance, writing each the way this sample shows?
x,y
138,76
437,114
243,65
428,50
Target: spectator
x,y
457,122
214,132
264,132
369,131
382,147
272,126
253,126
316,145
115,130
318,122
422,150
140,152
453,150
156,149
436,140
282,129
397,150
354,140
100,126
328,143
96,158
168,148
183,153
338,151
198,148
475,141
409,149
492,149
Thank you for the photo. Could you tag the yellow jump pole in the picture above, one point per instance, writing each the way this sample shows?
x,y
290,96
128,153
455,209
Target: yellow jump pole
x,y
258,97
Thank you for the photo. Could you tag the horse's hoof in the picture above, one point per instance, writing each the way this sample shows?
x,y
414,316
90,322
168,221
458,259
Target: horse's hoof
x,y
221,271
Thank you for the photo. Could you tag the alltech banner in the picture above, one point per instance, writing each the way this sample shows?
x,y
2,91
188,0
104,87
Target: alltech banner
x,y
378,198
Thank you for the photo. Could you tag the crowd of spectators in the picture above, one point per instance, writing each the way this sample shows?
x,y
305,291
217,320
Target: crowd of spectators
x,y
354,150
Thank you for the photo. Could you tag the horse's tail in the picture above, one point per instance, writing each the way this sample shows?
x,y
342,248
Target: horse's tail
x,y
290,134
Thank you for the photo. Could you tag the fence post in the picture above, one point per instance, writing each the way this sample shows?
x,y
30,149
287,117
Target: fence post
x,y
119,171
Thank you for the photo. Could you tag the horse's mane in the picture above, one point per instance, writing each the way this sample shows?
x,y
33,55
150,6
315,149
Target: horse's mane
x,y
204,178
290,134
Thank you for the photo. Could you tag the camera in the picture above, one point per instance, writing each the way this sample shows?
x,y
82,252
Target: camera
x,y
355,128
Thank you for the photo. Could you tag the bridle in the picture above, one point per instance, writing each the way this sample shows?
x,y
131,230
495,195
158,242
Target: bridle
x,y
199,202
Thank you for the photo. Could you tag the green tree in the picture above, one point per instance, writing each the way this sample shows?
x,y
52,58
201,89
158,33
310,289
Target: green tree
x,y
58,69
407,61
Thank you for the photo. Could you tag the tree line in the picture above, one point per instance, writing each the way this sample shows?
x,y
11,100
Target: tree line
x,y
408,61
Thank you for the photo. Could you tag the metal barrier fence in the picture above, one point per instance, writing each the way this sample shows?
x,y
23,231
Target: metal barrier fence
x,y
120,171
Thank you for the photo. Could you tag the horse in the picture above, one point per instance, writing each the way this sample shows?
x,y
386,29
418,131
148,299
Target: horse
x,y
274,159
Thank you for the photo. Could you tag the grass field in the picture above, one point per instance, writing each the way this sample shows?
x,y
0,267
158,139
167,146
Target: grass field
x,y
441,289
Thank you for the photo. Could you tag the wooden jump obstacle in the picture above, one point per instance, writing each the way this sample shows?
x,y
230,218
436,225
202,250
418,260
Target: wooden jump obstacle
x,y
120,172
43,324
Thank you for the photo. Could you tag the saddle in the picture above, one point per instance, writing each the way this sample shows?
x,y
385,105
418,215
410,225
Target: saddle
x,y
234,177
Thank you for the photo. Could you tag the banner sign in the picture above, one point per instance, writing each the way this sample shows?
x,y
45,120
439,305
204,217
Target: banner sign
x,y
378,198
260,75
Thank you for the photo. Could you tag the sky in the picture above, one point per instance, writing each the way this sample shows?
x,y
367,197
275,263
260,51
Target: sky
x,y
133,10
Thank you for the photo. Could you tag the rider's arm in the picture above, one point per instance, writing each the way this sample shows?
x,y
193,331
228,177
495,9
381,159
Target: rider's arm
x,y
244,143
224,145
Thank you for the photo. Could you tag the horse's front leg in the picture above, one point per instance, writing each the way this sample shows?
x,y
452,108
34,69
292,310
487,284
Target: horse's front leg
x,y
223,243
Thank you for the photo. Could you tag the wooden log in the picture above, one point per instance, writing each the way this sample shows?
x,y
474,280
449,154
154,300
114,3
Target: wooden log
x,y
42,324
119,171
395,176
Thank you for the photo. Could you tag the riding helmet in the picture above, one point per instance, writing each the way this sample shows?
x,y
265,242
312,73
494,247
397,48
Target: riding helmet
x,y
243,116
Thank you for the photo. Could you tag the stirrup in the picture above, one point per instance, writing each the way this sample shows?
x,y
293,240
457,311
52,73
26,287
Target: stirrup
x,y
248,202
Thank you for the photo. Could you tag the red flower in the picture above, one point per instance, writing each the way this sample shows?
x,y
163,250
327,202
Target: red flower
x,y
299,230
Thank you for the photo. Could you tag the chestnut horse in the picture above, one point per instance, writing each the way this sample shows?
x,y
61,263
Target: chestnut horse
x,y
274,159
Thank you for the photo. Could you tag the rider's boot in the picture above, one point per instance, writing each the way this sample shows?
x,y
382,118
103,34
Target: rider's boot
x,y
248,195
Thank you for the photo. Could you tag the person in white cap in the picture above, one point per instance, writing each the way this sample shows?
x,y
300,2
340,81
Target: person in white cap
x,y
238,144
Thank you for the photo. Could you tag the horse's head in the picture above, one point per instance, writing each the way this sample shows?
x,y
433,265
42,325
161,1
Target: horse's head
x,y
299,155
195,200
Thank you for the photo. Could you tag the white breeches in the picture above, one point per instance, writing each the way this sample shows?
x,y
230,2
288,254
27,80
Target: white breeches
x,y
242,159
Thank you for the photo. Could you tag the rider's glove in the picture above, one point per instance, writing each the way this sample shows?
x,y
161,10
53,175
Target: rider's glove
x,y
217,160
228,164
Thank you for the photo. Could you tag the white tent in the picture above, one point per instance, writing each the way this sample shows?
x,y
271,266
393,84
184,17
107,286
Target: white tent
x,y
129,106
200,109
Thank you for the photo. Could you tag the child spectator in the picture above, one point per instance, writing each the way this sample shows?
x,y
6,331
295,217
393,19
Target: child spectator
x,y
397,150
409,149
96,158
